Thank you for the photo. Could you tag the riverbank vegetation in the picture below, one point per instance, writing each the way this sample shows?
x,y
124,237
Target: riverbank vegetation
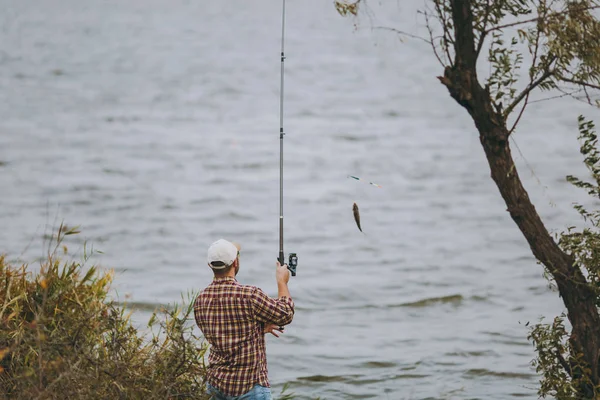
x,y
62,337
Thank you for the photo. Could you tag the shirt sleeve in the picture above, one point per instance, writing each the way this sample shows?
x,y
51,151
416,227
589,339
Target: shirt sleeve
x,y
269,310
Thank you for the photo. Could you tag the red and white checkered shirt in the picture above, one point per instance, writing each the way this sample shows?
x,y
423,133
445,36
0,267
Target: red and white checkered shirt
x,y
232,318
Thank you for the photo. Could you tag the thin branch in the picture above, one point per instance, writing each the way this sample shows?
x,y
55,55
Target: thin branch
x,y
483,32
587,95
527,90
520,114
538,18
564,364
580,83
535,51
435,52
535,54
399,32
532,85
446,39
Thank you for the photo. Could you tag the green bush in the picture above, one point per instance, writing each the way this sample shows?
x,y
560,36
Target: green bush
x,y
564,372
61,337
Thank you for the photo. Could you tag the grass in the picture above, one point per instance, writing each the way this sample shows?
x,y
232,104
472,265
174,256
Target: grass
x,y
62,337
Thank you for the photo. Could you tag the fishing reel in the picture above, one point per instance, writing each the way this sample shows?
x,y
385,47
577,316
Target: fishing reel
x,y
292,262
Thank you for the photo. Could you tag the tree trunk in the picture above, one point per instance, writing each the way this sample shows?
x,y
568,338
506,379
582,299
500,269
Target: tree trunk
x,y
462,83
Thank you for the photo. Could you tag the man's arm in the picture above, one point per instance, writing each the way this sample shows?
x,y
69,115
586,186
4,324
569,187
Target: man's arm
x,y
278,311
283,277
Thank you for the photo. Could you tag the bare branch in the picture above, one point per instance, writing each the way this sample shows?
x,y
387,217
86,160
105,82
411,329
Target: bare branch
x,y
446,38
483,32
435,52
520,115
531,75
587,95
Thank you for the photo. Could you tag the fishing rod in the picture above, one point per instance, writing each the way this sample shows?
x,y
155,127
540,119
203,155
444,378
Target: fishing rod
x,y
293,260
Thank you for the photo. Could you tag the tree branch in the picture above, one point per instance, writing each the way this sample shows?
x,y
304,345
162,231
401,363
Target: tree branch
x,y
446,40
531,75
580,83
539,18
564,364
527,90
483,32
432,41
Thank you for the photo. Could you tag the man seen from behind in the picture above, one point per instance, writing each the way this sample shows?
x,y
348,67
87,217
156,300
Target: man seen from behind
x,y
234,319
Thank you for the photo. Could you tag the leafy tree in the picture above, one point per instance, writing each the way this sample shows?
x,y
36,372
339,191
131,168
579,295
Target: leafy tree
x,y
562,41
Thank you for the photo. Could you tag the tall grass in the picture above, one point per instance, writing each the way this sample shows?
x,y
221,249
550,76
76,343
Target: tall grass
x,y
61,337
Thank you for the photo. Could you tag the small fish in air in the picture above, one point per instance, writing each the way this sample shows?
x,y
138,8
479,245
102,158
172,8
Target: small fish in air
x,y
356,216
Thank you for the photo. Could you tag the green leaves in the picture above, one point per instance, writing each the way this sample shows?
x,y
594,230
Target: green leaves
x,y
61,337
573,37
557,361
505,64
565,375
584,245
589,149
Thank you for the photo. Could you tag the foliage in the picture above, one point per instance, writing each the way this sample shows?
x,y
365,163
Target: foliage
x,y
561,38
564,374
584,245
552,348
61,337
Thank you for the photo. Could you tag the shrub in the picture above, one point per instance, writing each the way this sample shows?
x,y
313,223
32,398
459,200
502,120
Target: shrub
x,y
62,337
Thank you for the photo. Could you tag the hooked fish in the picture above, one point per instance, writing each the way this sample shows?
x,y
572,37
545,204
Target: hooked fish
x,y
356,216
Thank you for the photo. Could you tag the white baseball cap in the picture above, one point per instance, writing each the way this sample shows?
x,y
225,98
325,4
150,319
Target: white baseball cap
x,y
222,253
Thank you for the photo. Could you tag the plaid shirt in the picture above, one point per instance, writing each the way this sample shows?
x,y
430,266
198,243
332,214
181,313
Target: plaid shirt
x,y
232,318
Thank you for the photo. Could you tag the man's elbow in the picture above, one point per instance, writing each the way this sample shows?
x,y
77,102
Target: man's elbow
x,y
286,317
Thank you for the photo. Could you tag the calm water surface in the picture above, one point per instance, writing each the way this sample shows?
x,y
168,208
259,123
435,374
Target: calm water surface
x,y
154,125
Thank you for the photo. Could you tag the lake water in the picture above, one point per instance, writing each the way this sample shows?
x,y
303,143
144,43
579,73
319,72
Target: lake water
x,y
154,125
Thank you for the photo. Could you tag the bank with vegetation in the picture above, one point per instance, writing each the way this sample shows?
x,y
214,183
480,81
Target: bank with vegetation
x,y
61,336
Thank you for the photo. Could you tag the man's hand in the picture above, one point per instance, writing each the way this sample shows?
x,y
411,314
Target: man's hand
x,y
282,274
273,329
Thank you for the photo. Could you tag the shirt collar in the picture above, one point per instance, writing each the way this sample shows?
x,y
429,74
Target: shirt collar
x,y
224,279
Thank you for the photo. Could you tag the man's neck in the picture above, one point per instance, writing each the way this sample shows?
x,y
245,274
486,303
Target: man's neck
x,y
223,276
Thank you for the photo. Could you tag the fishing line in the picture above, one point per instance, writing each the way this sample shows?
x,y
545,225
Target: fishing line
x,y
544,188
362,180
